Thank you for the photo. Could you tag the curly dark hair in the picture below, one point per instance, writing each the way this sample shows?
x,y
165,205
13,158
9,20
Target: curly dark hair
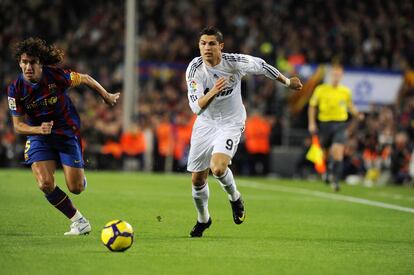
x,y
36,47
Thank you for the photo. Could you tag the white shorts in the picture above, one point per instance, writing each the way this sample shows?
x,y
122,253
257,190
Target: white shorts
x,y
207,139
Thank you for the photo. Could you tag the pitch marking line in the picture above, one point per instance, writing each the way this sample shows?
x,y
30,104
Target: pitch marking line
x,y
324,195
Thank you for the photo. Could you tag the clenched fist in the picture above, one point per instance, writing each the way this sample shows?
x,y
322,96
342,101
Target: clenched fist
x,y
295,83
46,128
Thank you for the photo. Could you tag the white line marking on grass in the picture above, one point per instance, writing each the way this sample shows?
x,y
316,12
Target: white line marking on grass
x,y
324,195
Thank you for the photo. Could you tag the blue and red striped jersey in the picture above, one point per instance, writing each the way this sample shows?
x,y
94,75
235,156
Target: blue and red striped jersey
x,y
47,100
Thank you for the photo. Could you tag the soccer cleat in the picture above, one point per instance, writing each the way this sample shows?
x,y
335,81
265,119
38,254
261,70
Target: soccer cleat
x,y
79,227
199,228
238,211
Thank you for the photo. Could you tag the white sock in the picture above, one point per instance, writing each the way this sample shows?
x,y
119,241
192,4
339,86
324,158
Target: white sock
x,y
200,197
229,185
77,216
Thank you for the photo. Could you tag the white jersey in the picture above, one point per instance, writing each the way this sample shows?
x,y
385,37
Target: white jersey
x,y
227,106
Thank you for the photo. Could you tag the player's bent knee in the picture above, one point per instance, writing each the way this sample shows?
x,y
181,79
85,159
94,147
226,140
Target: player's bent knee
x,y
218,171
46,183
76,188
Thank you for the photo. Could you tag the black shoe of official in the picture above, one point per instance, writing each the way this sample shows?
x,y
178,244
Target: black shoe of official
x,y
238,211
199,228
335,187
326,178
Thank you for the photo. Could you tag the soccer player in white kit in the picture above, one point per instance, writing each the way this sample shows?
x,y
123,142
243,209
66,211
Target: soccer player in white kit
x,y
214,94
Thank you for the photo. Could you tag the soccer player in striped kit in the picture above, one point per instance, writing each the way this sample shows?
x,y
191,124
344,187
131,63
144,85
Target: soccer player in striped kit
x,y
213,83
41,109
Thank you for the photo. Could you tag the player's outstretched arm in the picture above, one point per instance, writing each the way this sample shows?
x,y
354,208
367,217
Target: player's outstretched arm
x,y
21,127
292,83
89,81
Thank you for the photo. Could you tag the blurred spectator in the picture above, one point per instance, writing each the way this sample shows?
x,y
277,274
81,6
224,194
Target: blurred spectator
x,y
257,142
165,145
182,137
353,164
133,148
400,159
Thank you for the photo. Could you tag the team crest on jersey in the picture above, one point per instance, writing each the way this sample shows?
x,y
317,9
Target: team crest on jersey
x,y
52,100
12,103
232,79
193,86
52,87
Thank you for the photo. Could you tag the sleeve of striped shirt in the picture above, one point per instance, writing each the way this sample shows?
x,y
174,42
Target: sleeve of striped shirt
x,y
15,105
254,65
195,89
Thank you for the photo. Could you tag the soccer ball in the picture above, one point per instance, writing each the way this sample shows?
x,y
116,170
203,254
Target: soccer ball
x,y
117,235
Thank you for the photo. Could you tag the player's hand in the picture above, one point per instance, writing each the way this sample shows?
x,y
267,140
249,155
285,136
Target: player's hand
x,y
46,128
111,99
295,83
219,85
312,128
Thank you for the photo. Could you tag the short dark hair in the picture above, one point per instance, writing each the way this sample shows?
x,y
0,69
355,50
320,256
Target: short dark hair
x,y
36,47
213,31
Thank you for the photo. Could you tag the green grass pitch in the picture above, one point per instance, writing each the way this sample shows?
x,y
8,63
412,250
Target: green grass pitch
x,y
291,228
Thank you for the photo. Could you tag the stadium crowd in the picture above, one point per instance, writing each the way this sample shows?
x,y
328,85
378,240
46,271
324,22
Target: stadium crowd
x,y
366,34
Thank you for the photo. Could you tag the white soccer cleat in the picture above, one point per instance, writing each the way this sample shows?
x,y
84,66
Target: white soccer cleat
x,y
79,227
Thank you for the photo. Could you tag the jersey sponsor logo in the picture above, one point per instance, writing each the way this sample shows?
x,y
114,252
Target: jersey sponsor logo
x,y
42,103
225,92
12,103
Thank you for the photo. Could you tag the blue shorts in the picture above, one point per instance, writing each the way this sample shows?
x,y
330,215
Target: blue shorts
x,y
62,149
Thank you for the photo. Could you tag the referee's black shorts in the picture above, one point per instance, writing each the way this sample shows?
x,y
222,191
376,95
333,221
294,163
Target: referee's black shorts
x,y
331,132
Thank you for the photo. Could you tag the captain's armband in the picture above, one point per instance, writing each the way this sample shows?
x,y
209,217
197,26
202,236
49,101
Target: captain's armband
x,y
75,79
